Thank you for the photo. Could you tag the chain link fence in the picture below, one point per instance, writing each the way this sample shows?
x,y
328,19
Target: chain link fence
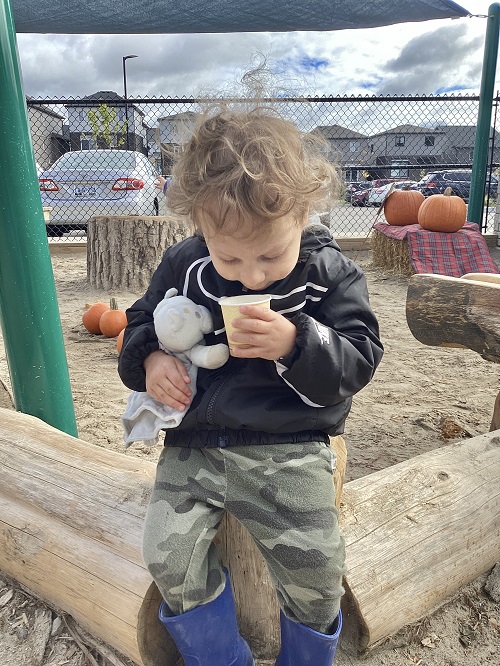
x,y
100,155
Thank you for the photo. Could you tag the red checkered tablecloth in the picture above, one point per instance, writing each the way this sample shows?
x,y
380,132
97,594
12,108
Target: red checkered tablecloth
x,y
453,254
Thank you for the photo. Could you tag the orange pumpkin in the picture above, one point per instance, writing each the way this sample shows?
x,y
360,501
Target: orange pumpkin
x,y
92,316
401,207
113,320
119,340
442,212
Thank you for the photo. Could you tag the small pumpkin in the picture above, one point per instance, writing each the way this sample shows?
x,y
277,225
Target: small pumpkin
x,y
119,340
442,212
401,207
92,316
113,320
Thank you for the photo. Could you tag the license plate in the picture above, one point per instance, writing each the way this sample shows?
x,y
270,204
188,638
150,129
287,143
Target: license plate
x,y
85,191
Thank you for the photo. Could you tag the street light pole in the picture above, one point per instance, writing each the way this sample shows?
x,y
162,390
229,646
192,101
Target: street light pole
x,y
124,59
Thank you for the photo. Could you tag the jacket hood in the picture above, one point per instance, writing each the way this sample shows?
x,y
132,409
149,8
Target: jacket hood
x,y
314,237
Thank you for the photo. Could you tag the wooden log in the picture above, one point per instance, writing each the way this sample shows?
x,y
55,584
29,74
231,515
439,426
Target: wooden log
x,y
482,277
71,531
495,419
71,526
452,312
123,252
415,533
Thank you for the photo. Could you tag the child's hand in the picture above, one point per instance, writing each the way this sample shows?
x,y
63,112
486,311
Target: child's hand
x,y
268,334
167,380
160,183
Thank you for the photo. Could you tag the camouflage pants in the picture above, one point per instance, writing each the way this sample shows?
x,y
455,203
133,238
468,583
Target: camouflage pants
x,y
283,495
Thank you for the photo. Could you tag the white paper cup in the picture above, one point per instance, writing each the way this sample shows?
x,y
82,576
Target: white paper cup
x,y
231,310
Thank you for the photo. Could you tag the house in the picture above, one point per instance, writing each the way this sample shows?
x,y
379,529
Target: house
x,y
407,149
172,132
460,140
128,132
348,148
153,146
404,151
47,133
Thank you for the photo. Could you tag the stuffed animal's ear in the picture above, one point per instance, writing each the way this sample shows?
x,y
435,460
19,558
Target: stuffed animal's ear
x,y
207,325
171,292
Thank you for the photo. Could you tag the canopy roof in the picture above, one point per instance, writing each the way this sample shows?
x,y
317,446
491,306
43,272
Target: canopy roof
x,y
192,16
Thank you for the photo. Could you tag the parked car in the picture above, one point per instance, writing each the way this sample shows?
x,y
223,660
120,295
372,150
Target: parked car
x,y
377,194
459,180
84,183
356,186
360,198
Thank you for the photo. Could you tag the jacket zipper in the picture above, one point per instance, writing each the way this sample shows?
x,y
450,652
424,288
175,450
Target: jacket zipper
x,y
213,399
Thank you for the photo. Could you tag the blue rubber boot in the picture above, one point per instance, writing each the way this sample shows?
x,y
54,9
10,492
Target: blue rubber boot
x,y
208,635
302,646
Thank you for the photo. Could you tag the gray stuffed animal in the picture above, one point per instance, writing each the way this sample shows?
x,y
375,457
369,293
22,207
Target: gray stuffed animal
x,y
180,326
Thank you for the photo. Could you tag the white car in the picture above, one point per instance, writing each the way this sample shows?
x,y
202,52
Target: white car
x,y
84,183
377,194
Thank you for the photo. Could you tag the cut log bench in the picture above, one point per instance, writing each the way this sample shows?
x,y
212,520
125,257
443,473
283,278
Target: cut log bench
x,y
71,531
464,312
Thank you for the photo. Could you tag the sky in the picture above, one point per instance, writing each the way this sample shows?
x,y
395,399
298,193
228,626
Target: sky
x,y
430,57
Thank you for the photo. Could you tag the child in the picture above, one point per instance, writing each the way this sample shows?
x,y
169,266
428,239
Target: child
x,y
254,440
162,183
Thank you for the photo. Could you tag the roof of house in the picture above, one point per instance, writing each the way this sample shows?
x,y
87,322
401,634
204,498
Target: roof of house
x,y
43,108
338,132
184,115
411,129
104,96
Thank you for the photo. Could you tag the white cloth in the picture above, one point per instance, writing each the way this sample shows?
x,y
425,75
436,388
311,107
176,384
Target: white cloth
x,y
145,417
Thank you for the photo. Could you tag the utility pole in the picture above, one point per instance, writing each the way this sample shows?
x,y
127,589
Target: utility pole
x,y
124,59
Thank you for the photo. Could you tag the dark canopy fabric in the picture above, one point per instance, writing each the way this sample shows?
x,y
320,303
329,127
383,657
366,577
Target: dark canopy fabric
x,y
191,16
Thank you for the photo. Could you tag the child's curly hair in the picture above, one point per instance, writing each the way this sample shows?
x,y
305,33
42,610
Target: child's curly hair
x,y
252,166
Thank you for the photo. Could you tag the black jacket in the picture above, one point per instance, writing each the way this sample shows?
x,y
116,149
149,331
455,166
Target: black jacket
x,y
251,401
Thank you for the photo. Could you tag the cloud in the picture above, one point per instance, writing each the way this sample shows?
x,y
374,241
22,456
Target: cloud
x,y
434,61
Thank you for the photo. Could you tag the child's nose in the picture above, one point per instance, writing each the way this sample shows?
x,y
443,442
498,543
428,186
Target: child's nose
x,y
252,277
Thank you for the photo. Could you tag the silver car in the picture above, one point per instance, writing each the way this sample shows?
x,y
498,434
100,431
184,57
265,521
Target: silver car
x,y
84,183
378,194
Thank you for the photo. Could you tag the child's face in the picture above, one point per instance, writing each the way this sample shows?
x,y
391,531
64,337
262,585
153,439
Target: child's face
x,y
258,260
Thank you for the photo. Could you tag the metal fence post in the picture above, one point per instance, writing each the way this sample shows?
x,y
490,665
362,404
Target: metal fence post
x,y
29,312
481,145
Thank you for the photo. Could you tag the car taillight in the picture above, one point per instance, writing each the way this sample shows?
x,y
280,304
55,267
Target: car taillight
x,y
47,185
431,184
127,184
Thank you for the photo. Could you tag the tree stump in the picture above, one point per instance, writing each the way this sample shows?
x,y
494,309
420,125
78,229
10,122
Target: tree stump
x,y
123,252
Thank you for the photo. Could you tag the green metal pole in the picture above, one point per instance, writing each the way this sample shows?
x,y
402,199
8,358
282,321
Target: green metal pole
x,y
483,129
29,314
